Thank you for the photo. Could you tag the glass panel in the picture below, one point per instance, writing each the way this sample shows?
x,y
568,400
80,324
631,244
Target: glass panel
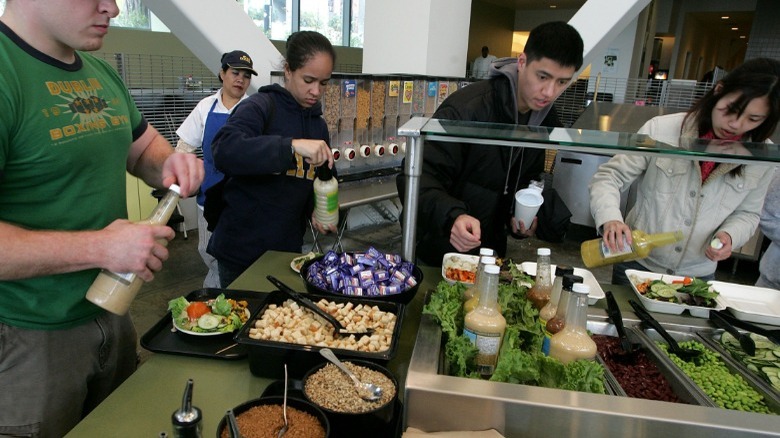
x,y
274,17
323,17
593,141
133,14
356,20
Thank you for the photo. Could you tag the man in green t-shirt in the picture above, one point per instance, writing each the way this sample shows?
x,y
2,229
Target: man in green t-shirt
x,y
69,129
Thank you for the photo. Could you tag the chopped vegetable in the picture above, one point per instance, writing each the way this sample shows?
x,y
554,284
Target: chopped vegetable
x,y
765,363
690,291
218,315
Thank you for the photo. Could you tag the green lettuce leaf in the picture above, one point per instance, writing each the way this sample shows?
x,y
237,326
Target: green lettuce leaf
x,y
221,306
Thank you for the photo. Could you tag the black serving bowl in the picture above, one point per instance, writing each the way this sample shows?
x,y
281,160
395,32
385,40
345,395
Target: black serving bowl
x,y
267,358
301,405
403,297
370,423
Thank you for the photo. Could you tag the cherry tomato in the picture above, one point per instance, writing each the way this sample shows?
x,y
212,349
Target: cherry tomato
x,y
197,309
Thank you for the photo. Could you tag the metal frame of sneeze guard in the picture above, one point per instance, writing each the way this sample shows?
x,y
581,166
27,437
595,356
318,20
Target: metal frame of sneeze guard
x,y
421,129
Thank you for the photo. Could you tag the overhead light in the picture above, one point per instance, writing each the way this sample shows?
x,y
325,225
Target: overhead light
x,y
734,28
725,17
553,6
742,37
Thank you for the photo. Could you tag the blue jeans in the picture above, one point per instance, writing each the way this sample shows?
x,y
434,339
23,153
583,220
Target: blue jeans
x,y
228,272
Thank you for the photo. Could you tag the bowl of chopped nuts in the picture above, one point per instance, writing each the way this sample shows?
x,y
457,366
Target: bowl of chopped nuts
x,y
264,417
281,331
331,390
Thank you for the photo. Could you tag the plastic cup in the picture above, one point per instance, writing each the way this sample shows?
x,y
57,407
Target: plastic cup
x,y
527,203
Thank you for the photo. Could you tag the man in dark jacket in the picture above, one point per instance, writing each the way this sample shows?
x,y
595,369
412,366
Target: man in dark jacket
x,y
466,190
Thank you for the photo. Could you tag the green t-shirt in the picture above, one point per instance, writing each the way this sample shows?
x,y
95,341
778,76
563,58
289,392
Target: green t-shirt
x,y
65,133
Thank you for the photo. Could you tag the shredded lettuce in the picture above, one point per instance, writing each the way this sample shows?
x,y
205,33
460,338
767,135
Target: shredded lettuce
x,y
221,306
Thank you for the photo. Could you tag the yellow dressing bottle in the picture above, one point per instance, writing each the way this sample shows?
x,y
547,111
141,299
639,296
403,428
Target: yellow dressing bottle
x,y
595,253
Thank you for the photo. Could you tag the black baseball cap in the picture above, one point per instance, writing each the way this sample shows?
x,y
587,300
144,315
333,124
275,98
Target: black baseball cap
x,y
238,60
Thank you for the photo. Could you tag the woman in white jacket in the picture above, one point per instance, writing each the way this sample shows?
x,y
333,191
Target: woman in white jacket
x,y
704,200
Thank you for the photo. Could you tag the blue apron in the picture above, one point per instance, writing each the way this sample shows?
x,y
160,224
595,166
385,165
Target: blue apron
x,y
214,121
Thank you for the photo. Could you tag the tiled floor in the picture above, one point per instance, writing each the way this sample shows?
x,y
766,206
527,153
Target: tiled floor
x,y
184,271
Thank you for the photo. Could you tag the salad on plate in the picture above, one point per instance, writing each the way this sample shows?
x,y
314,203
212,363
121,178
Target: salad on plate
x,y
211,317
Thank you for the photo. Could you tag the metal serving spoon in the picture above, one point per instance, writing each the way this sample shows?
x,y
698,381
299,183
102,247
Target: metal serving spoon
x,y
685,354
284,428
366,391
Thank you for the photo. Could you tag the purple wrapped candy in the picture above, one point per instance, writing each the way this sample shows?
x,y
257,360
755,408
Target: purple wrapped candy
x,y
369,273
354,290
373,253
366,261
380,276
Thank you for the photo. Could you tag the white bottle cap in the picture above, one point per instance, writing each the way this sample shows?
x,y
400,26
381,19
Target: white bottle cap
x,y
580,288
543,251
492,269
716,243
486,252
488,260
175,188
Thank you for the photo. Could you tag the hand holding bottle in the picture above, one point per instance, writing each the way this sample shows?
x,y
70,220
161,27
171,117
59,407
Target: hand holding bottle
x,y
316,152
135,247
720,252
617,235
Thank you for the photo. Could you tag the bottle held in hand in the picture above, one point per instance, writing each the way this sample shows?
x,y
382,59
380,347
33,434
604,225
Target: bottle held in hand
x,y
595,252
326,197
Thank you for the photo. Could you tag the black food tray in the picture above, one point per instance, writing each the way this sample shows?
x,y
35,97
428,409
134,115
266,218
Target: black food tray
x,y
162,338
267,358
295,389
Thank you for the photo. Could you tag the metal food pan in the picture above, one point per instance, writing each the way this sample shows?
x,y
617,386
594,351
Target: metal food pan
x,y
683,388
652,336
712,340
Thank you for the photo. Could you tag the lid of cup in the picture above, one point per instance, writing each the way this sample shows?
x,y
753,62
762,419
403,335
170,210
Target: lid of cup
x,y
580,288
543,251
487,252
492,269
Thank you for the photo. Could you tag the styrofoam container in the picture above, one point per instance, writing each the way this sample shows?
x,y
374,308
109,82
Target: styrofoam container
x,y
665,306
457,260
750,303
596,292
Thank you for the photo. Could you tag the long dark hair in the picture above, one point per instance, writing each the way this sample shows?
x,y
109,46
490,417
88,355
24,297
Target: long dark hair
x,y
303,45
755,78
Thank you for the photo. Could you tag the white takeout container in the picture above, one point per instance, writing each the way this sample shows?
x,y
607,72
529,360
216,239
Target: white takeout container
x,y
596,293
750,303
654,305
458,261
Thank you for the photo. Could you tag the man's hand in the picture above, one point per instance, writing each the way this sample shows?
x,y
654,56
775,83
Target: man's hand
x,y
316,152
518,227
466,233
186,170
324,229
135,248
617,235
722,253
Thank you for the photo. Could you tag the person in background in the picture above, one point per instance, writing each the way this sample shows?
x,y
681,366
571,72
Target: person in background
x,y
198,130
770,226
69,132
703,199
268,150
467,190
481,65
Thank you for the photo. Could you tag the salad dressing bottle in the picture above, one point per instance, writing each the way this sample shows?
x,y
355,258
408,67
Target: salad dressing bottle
x,y
472,302
540,292
470,291
573,342
549,309
115,291
485,325
595,252
558,322
326,197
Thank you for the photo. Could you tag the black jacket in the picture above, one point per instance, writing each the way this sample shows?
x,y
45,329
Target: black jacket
x,y
475,179
269,193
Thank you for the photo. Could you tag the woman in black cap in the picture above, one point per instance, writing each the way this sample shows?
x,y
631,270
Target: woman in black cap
x,y
198,130
268,150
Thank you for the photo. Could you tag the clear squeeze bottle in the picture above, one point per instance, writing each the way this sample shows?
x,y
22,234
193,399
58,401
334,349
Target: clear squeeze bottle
x,y
540,292
595,252
469,292
326,197
115,291
573,342
549,309
485,325
476,290
557,322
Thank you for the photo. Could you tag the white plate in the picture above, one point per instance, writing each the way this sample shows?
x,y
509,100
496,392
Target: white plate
x,y
595,294
298,262
749,303
460,261
664,306
190,332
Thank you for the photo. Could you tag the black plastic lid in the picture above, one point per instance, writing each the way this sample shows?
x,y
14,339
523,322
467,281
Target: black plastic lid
x,y
570,279
561,270
324,173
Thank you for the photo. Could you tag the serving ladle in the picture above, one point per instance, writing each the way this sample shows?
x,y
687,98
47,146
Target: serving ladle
x,y
366,391
685,354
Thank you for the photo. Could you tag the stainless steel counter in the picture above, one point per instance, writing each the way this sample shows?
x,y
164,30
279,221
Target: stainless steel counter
x,y
436,402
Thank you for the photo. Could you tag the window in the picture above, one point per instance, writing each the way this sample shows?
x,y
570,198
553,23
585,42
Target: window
x,y
132,13
356,20
323,17
274,17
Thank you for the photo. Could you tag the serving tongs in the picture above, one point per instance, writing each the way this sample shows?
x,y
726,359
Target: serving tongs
x,y
686,354
613,311
772,335
338,328
745,341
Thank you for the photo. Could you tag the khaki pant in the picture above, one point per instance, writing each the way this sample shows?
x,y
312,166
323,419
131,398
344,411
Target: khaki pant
x,y
50,379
